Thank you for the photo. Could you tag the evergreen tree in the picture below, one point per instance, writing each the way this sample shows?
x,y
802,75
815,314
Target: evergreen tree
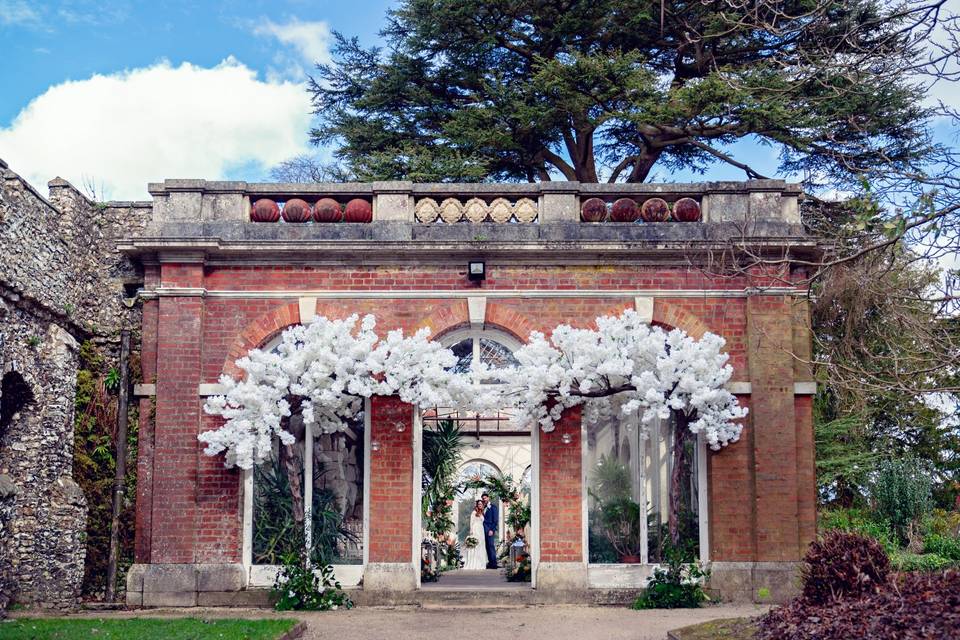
x,y
608,89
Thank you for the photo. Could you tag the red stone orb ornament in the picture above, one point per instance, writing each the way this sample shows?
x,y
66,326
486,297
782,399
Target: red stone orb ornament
x,y
264,210
655,210
358,210
327,210
686,210
624,210
296,210
593,210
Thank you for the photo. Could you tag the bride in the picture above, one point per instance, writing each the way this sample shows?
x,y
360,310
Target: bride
x,y
476,556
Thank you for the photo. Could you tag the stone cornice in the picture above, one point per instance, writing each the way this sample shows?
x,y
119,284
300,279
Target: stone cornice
x,y
564,243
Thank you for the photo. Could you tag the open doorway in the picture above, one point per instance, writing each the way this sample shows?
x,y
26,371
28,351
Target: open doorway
x,y
477,485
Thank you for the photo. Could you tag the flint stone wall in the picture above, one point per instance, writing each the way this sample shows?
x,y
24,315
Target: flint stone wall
x,y
62,281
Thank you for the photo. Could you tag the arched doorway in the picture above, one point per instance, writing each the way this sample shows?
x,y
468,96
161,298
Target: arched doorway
x,y
494,453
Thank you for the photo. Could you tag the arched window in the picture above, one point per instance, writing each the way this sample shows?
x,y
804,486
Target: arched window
x,y
493,348
327,473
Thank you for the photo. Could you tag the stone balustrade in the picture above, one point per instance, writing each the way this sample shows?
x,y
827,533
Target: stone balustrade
x,y
483,203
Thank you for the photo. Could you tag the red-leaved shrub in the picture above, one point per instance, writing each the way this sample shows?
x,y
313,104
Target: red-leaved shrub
x,y
913,606
843,565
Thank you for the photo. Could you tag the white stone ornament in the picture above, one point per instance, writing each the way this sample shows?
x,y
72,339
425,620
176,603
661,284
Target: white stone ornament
x,y
427,210
475,210
525,210
501,211
451,210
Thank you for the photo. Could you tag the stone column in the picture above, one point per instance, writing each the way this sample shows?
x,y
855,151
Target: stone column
x,y
390,565
562,566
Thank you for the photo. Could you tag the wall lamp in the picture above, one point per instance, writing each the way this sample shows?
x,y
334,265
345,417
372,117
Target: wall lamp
x,y
476,270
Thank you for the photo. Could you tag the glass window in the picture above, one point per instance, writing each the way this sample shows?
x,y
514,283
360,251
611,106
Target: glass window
x,y
628,504
324,516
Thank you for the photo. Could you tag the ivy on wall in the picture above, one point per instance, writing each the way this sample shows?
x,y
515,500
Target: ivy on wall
x,y
94,464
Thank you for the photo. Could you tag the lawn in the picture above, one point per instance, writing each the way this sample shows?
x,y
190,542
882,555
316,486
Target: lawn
x,y
136,628
724,629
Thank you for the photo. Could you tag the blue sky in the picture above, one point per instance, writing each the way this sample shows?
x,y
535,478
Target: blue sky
x,y
119,93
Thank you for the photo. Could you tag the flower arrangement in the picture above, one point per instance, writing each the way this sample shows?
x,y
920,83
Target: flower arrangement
x,y
470,542
521,569
427,572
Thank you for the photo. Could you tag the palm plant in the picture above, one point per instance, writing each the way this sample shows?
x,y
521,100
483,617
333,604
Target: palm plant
x,y
441,457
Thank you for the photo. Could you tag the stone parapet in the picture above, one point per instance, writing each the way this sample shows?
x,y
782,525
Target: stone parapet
x,y
451,203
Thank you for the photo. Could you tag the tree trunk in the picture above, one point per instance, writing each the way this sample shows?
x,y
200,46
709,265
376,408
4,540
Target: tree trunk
x,y
681,434
292,468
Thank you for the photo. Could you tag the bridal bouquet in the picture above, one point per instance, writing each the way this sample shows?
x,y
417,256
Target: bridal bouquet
x,y
470,542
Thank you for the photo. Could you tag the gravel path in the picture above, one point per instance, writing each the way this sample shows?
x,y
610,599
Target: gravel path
x,y
554,622
525,623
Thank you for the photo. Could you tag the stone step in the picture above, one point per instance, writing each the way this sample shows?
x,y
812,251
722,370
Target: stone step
x,y
438,596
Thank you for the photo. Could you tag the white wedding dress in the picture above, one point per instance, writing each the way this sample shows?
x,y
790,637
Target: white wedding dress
x,y
475,559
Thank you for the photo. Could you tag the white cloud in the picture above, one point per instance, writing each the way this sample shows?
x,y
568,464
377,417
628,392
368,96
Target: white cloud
x,y
147,124
309,40
17,12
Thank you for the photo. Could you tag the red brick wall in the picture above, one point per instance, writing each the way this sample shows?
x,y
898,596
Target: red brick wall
x,y
732,498
770,335
176,450
391,481
189,506
561,490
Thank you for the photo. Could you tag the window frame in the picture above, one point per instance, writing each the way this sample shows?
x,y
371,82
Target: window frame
x,y
621,575
263,575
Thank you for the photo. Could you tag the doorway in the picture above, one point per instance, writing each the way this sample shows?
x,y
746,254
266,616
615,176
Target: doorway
x,y
466,457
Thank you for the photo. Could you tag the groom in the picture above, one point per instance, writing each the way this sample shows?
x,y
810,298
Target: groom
x,y
491,524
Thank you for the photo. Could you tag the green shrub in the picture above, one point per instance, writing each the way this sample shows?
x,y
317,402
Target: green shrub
x,y
943,546
677,586
859,521
943,522
919,562
298,588
903,492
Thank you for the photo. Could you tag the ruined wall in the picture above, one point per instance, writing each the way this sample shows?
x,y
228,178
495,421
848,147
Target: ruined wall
x,y
61,282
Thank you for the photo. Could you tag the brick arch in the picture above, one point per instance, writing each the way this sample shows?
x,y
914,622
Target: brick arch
x,y
673,316
440,317
509,320
259,332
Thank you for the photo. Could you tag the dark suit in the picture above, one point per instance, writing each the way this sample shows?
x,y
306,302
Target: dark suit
x,y
491,523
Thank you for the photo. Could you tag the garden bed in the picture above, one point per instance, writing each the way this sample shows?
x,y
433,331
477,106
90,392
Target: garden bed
x,y
148,628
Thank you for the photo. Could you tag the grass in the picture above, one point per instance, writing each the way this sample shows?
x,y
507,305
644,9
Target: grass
x,y
725,629
145,628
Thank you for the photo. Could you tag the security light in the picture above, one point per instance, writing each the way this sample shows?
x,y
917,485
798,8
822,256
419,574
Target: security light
x,y
476,270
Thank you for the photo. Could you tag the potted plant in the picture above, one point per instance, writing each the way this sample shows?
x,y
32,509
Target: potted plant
x,y
622,528
617,514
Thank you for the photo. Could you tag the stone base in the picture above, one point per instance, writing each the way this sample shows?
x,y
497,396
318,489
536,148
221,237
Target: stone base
x,y
561,576
389,577
760,582
182,585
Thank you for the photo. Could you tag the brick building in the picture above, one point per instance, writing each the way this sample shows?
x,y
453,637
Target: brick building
x,y
223,274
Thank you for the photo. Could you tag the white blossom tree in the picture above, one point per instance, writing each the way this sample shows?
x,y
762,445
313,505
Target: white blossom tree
x,y
655,374
320,372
